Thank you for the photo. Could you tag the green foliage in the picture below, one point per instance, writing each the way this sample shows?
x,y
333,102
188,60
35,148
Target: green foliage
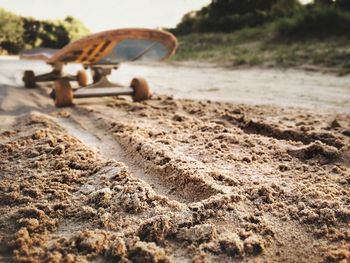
x,y
285,8
11,31
31,32
318,21
234,48
76,29
53,35
231,15
258,46
18,32
343,4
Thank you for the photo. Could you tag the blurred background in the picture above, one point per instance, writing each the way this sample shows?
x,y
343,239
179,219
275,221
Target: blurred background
x,y
283,33
275,52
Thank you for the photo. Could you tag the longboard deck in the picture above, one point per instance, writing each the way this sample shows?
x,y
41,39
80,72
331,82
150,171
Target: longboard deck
x,y
111,47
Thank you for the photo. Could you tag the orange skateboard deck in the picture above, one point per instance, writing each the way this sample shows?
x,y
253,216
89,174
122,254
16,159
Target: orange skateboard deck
x,y
111,47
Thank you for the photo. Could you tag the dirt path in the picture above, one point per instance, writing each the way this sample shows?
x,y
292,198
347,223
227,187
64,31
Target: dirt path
x,y
171,180
253,86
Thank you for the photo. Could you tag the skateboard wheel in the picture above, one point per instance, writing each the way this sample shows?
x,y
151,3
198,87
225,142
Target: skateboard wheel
x,y
141,89
29,79
82,78
64,93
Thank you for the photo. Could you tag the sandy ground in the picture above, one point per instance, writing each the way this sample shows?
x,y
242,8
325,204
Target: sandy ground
x,y
246,179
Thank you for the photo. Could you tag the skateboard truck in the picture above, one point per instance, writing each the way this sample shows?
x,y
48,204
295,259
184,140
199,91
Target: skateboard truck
x,y
64,94
30,79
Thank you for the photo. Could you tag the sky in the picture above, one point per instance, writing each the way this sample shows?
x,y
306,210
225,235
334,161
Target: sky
x,y
100,15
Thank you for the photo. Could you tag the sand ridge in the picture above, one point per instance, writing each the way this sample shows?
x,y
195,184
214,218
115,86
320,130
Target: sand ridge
x,y
219,182
175,180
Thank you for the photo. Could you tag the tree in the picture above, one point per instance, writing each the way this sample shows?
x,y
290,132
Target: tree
x,y
11,30
31,36
324,2
343,4
53,34
230,15
17,33
75,28
285,7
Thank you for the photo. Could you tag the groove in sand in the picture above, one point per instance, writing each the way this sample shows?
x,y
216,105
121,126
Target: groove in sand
x,y
109,148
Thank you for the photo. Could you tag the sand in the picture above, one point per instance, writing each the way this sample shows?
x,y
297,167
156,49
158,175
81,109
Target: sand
x,y
172,180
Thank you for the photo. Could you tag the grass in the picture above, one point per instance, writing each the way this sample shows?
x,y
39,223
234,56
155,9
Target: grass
x,y
260,46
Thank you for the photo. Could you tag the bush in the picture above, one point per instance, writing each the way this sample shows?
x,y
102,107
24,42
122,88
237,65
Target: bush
x,y
17,33
320,21
231,15
11,31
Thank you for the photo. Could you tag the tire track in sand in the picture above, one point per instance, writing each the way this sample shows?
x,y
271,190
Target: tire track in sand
x,y
81,126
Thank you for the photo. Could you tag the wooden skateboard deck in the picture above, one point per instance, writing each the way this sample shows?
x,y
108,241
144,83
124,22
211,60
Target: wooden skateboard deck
x,y
111,47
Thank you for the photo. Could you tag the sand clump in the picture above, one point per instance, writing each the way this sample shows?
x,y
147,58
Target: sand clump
x,y
228,183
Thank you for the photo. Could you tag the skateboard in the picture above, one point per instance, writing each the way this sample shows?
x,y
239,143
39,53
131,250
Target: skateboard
x,y
101,52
